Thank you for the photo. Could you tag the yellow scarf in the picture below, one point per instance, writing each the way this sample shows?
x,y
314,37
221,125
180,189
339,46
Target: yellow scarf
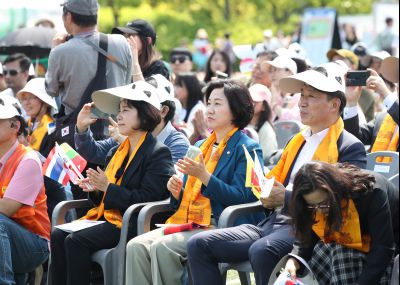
x,y
36,137
350,233
387,139
114,216
194,206
327,151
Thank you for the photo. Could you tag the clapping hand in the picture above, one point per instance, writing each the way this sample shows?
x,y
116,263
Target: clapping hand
x,y
194,168
98,179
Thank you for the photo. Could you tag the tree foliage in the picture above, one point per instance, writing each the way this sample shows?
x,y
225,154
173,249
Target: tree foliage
x,y
178,20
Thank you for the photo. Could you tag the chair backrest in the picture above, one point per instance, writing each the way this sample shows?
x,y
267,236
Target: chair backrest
x,y
395,180
387,169
285,130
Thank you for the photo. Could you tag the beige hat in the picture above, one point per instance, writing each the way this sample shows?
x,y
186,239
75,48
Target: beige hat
x,y
390,69
36,86
108,100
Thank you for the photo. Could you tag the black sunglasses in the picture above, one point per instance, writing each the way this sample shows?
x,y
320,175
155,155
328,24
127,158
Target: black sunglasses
x,y
12,72
179,58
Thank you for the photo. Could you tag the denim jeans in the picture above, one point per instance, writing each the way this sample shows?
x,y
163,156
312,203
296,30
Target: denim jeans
x,y
21,251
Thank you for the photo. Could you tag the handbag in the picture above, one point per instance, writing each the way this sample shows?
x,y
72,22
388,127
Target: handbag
x,y
279,276
65,124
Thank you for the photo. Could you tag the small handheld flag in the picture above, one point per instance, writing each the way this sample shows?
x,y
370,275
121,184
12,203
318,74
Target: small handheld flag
x,y
64,164
260,185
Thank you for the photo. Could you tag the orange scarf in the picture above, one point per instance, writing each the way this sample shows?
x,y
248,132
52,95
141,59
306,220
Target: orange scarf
x,y
33,218
350,233
114,216
327,151
194,206
387,138
36,137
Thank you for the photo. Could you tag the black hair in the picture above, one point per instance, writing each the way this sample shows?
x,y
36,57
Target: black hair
x,y
209,73
340,182
192,84
149,116
270,54
301,64
148,54
171,113
24,61
239,99
83,21
265,116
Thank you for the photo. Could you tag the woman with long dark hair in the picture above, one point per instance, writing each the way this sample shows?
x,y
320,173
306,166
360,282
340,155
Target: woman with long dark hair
x,y
218,61
188,92
346,223
142,37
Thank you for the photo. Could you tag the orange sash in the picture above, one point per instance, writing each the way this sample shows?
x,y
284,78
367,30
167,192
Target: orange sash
x,y
194,206
327,151
36,137
33,218
114,216
350,233
387,138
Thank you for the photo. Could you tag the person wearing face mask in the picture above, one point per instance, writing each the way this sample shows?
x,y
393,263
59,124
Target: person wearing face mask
x,y
346,224
137,171
142,37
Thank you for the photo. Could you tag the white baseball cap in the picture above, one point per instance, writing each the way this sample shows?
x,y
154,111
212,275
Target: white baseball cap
x,y
297,51
328,77
108,100
284,62
164,87
7,110
390,69
1,69
36,86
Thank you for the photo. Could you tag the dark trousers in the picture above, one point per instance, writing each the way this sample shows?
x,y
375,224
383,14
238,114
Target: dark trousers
x,y
263,246
70,252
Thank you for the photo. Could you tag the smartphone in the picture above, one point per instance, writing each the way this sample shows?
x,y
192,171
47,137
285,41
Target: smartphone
x,y
357,78
97,114
193,152
221,75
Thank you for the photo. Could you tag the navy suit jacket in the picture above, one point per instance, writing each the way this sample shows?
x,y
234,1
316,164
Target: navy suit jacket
x,y
227,184
350,149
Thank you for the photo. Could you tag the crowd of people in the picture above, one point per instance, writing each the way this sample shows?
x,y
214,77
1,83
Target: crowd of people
x,y
135,118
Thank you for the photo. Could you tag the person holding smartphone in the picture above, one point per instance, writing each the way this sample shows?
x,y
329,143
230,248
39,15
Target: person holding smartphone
x,y
382,133
212,182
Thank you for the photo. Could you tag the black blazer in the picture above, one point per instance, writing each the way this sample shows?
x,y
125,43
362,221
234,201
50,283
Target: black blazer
x,y
145,179
367,132
379,217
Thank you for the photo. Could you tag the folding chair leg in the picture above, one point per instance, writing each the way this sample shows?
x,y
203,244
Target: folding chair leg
x,y
244,278
223,276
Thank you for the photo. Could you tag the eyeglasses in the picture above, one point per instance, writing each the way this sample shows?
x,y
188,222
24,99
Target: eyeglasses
x,y
12,72
179,58
321,206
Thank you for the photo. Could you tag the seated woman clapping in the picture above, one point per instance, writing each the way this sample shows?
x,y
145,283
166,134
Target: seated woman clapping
x,y
213,181
346,224
137,171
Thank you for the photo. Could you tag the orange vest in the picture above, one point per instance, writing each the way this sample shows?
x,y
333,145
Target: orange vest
x,y
34,219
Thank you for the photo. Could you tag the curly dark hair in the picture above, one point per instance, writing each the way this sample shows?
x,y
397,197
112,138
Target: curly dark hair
x,y
239,100
340,181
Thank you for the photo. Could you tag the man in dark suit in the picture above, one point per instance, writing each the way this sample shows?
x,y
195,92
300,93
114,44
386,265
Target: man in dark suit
x,y
385,123
321,104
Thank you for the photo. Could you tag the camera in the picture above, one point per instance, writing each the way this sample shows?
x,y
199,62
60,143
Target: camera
x,y
357,78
